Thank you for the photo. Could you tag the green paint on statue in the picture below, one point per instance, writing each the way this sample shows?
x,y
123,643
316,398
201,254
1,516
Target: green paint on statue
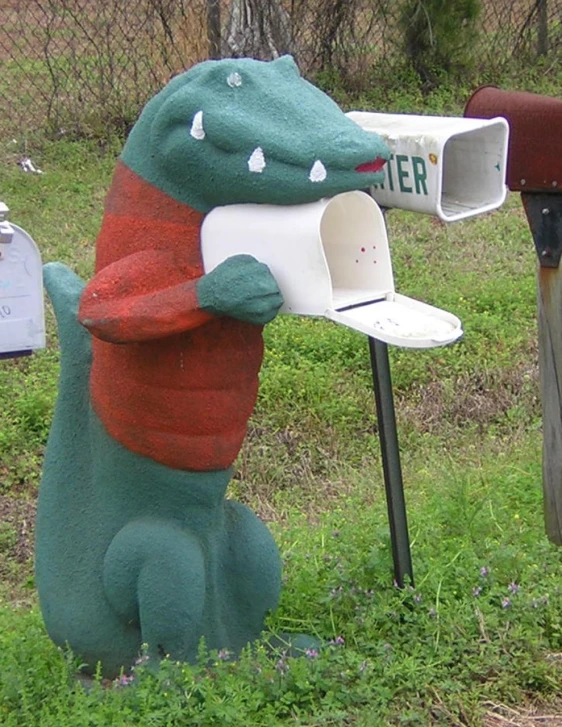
x,y
135,542
258,130
132,552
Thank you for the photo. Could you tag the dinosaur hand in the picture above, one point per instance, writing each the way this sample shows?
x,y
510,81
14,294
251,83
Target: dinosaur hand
x,y
242,288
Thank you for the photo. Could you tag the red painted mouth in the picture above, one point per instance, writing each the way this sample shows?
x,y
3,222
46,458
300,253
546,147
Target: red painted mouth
x,y
371,167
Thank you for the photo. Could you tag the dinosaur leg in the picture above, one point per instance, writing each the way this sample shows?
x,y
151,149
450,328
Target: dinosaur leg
x,y
256,566
253,565
154,578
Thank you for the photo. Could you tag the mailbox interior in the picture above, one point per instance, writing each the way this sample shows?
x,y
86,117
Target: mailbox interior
x,y
355,244
474,164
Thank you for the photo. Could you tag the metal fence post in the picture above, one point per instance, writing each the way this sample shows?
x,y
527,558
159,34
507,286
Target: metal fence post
x,y
392,469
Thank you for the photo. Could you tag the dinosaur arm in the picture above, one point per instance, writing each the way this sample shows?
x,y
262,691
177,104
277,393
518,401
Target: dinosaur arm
x,y
147,295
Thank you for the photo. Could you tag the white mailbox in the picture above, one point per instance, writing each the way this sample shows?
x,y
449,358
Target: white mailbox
x,y
330,258
445,166
22,320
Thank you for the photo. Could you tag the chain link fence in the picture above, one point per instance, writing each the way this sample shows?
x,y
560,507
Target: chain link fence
x,y
87,66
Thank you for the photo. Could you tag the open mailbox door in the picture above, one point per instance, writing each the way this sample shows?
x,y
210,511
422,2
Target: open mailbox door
x,y
330,258
22,323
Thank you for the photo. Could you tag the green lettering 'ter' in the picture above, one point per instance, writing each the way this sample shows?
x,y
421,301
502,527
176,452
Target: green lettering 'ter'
x,y
420,175
402,173
389,170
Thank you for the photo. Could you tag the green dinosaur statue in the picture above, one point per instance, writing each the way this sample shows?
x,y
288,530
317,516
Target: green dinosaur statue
x,y
135,541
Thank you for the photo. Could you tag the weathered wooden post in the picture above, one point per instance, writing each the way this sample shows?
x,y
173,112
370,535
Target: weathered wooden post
x,y
535,170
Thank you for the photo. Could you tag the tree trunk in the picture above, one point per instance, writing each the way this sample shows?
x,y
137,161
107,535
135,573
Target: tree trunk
x,y
542,37
214,28
258,29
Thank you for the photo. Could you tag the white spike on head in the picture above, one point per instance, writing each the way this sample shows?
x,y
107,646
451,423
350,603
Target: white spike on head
x,y
197,130
318,172
256,162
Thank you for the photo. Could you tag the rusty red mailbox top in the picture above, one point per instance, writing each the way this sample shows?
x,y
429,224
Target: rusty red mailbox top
x,y
535,147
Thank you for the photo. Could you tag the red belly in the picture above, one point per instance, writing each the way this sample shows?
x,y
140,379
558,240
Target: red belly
x,y
180,398
184,400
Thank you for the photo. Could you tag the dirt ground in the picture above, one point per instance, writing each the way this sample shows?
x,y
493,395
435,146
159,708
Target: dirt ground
x,y
501,715
17,519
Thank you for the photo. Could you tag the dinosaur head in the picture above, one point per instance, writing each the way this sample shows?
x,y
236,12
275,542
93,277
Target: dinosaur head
x,y
240,130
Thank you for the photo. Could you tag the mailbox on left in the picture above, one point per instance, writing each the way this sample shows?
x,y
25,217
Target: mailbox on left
x,y
22,317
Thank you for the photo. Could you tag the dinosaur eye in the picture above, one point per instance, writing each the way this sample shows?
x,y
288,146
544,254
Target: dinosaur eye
x,y
234,80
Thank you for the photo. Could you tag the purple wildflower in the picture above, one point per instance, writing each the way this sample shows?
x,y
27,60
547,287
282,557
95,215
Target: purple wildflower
x,y
484,571
513,588
417,597
506,603
123,680
311,653
476,591
338,641
223,655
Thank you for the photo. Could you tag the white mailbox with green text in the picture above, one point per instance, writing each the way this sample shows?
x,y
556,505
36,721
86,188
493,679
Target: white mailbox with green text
x,y
445,166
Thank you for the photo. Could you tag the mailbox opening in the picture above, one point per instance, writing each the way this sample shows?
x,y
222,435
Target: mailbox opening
x,y
473,171
355,243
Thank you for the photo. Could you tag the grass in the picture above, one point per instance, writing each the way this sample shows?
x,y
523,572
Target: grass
x,y
483,625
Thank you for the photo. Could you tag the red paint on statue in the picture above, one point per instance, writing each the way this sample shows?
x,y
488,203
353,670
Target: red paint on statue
x,y
169,381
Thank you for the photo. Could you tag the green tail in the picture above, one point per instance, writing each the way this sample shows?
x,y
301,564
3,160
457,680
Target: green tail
x,y
65,289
